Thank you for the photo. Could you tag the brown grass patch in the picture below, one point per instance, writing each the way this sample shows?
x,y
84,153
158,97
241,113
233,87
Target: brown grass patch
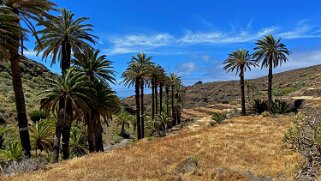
x,y
251,143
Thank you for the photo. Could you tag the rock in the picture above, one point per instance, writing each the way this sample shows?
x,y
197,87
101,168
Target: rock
x,y
187,165
198,83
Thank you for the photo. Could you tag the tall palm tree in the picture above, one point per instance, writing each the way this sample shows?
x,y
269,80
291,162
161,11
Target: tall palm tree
x,y
26,10
239,61
161,80
70,87
272,53
174,82
180,93
98,69
107,103
144,61
61,36
154,75
132,77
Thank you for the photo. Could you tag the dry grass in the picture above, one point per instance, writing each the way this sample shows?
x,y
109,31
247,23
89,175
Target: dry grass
x,y
251,143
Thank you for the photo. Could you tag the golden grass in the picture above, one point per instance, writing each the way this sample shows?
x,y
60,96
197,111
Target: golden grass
x,y
251,143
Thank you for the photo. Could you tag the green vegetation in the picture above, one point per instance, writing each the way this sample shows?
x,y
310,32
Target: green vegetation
x,y
218,117
287,90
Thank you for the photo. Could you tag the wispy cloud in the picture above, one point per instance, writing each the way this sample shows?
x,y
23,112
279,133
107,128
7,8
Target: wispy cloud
x,y
222,37
186,69
139,42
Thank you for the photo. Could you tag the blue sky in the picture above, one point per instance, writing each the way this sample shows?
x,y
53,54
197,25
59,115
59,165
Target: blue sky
x,y
193,37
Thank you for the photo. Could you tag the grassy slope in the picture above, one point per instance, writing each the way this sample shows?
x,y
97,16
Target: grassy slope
x,y
228,91
251,143
33,75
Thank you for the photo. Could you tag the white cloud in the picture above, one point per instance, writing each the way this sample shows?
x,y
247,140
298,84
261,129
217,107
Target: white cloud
x,y
139,42
133,43
186,69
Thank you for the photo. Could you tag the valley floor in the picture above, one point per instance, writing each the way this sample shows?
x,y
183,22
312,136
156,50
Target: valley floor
x,y
228,151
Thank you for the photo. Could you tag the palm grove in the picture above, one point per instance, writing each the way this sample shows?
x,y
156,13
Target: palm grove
x,y
271,53
81,95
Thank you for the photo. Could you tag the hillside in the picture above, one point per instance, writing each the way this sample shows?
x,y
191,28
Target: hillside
x,y
33,75
241,148
288,83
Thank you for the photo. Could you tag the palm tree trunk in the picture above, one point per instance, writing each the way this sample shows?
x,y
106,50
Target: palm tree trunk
x,y
242,90
270,100
98,136
65,64
56,143
156,97
153,99
90,131
19,96
137,83
167,100
173,109
20,104
160,98
142,108
66,131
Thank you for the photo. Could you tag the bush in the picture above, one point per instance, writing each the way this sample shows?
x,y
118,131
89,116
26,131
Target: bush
x,y
36,115
281,107
218,117
278,106
259,106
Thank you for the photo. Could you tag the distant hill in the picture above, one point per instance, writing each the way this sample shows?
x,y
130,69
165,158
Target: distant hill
x,y
33,75
284,84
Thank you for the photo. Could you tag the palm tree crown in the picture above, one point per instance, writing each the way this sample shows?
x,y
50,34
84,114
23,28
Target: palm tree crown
x,y
73,87
269,49
238,59
95,66
64,31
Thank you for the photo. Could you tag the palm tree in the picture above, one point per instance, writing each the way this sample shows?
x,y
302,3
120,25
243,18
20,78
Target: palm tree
x,y
272,53
70,87
61,36
144,62
26,10
161,80
106,104
78,141
239,61
132,76
180,93
123,120
98,69
8,30
154,76
41,134
174,82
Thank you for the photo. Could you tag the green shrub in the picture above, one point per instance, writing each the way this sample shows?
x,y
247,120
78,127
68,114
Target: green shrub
x,y
287,90
218,117
5,75
281,107
259,106
36,115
